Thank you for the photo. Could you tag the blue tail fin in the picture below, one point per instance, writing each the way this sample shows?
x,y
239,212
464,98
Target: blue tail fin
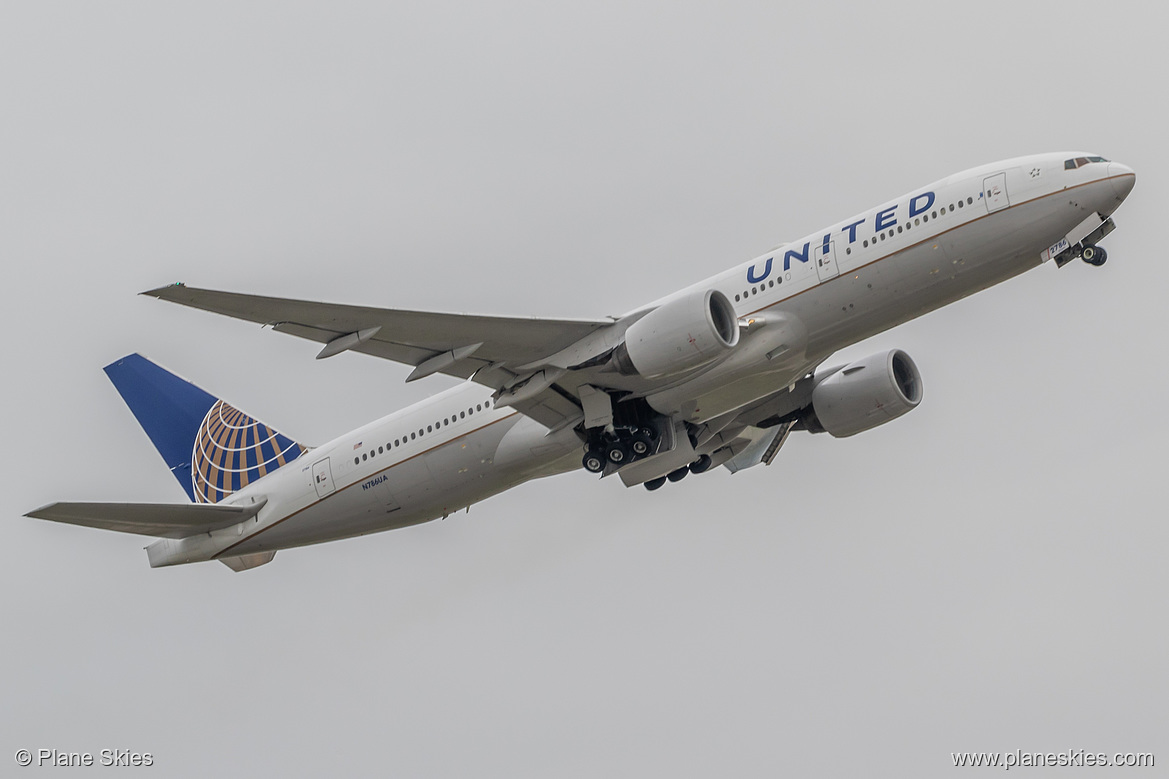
x,y
212,448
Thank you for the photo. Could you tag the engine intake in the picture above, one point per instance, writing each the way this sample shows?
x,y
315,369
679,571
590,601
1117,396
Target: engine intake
x,y
865,394
683,334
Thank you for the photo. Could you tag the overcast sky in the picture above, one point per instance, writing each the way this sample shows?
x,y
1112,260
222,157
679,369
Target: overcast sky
x,y
987,573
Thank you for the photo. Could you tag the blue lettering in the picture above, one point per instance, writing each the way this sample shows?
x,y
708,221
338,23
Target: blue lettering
x,y
928,197
753,279
852,230
886,219
374,482
801,256
827,242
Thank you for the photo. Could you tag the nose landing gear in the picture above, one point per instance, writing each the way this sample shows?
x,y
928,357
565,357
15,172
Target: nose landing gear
x,y
1094,255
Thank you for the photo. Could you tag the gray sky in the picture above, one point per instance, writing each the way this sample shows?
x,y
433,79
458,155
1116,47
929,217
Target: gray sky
x,y
987,573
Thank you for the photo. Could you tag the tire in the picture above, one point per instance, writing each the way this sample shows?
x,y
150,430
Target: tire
x,y
640,445
593,461
679,474
701,465
617,453
654,484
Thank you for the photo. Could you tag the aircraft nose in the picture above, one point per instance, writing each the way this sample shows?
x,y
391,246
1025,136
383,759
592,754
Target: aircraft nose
x,y
1123,179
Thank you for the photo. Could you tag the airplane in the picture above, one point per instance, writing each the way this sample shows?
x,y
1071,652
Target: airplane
x,y
718,373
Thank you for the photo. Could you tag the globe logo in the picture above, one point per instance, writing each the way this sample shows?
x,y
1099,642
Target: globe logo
x,y
232,450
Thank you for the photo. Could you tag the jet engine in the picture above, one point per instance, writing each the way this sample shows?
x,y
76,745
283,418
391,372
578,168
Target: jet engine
x,y
864,394
685,333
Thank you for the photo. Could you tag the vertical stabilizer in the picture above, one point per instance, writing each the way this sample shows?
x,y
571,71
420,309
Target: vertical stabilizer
x,y
212,448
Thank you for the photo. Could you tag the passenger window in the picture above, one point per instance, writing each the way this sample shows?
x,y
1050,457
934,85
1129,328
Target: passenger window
x,y
411,436
356,460
363,457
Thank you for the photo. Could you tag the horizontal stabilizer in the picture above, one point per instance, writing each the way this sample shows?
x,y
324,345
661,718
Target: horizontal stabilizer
x,y
162,520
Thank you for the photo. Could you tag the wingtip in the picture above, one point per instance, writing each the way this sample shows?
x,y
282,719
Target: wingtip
x,y
159,292
39,513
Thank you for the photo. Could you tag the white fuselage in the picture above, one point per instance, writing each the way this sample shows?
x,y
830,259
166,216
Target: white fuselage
x,y
842,283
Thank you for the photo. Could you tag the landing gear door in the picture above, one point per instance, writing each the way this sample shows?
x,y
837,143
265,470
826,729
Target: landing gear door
x,y
322,477
826,267
995,188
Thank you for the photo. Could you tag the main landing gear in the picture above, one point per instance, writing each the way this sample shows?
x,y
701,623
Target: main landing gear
x,y
621,446
701,465
1094,255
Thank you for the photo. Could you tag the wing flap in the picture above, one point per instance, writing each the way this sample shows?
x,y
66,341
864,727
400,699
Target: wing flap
x,y
161,520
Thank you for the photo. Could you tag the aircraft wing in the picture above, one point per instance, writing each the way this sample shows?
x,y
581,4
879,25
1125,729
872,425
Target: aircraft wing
x,y
161,520
453,344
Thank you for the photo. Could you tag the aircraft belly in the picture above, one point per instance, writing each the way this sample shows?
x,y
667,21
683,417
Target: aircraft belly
x,y
429,486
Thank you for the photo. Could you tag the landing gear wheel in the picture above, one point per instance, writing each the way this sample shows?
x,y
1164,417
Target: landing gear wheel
x,y
594,461
701,465
617,453
640,444
1094,255
679,474
654,484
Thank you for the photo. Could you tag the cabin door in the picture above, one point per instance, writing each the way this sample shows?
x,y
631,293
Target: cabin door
x,y
322,477
826,267
995,189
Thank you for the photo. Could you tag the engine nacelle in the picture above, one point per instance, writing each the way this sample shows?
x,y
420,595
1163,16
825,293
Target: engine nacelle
x,y
864,394
683,334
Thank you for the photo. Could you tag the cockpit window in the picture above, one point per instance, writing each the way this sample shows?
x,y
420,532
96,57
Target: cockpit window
x,y
1081,161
